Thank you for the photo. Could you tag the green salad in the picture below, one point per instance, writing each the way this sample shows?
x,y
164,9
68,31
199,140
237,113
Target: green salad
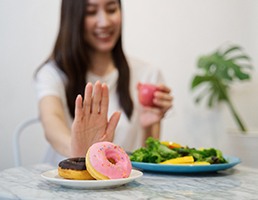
x,y
156,152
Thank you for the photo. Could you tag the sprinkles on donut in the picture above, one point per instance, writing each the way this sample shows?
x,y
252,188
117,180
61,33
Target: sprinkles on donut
x,y
106,160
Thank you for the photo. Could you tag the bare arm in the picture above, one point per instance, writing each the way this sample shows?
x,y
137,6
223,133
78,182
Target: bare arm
x,y
56,127
151,117
152,131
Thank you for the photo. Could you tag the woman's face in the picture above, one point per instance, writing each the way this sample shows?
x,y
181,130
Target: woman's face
x,y
102,24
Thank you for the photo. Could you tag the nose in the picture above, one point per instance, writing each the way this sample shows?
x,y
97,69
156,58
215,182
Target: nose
x,y
103,19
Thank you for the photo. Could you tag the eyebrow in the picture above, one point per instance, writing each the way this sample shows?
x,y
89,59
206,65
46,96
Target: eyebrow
x,y
110,2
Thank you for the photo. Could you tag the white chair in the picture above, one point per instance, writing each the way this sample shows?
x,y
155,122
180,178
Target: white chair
x,y
27,126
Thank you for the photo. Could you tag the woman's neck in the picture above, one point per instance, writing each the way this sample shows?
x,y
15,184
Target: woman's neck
x,y
102,63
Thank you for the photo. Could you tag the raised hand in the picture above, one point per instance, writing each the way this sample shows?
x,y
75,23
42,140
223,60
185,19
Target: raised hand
x,y
91,122
163,101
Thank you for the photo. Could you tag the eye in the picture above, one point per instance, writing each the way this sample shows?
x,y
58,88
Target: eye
x,y
90,13
90,10
112,8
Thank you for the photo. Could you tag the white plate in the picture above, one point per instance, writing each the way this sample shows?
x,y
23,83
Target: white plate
x,y
52,176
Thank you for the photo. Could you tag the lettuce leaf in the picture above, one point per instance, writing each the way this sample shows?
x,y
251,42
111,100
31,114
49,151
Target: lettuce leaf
x,y
155,152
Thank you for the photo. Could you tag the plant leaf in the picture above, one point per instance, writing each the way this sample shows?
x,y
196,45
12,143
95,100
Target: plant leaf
x,y
199,80
242,57
231,49
218,71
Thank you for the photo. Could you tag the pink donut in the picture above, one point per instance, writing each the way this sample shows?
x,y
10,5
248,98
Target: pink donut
x,y
105,160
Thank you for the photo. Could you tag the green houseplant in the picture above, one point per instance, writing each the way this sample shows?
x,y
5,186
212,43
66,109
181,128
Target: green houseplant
x,y
217,72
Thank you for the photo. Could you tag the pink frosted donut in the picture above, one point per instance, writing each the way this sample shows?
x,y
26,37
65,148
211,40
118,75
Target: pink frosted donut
x,y
105,160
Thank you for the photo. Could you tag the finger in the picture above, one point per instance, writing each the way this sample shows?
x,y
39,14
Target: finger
x,y
96,99
164,88
112,124
164,104
164,107
162,96
87,98
104,100
78,108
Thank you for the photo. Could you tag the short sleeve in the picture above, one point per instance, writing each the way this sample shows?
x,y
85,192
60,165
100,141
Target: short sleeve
x,y
49,81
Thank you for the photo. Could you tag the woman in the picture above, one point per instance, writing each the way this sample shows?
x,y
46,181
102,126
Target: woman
x,y
89,50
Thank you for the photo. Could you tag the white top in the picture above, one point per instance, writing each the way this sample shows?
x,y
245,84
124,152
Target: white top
x,y
129,134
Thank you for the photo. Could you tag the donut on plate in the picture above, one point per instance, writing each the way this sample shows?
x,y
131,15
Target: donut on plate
x,y
74,168
105,160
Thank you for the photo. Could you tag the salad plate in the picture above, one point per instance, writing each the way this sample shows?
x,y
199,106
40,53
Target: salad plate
x,y
187,168
53,177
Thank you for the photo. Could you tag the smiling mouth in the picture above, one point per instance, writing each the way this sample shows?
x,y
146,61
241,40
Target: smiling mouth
x,y
103,35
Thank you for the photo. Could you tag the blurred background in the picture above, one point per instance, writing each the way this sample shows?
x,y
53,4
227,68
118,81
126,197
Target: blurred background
x,y
169,34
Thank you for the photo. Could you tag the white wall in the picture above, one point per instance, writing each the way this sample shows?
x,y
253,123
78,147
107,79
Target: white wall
x,y
170,34
27,32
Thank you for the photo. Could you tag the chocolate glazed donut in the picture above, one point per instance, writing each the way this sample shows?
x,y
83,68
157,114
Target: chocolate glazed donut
x,y
74,168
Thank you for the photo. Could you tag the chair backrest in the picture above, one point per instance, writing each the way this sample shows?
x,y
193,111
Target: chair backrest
x,y
28,142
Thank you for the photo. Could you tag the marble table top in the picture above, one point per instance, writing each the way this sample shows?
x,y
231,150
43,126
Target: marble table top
x,y
237,183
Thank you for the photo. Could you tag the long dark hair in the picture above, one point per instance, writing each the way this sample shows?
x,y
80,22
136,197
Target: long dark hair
x,y
71,56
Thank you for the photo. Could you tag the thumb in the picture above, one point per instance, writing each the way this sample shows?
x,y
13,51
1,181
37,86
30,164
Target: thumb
x,y
112,124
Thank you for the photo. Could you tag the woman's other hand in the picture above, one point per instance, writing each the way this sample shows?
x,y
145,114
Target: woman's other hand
x,y
91,122
163,101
